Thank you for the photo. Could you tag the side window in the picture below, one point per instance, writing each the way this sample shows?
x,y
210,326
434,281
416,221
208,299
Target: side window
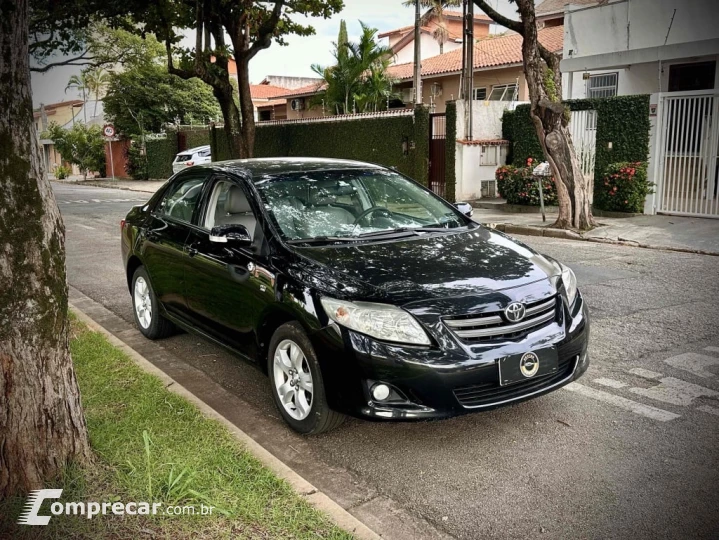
x,y
229,205
182,198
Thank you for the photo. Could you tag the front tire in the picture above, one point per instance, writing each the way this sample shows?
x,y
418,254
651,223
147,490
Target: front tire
x,y
296,381
146,308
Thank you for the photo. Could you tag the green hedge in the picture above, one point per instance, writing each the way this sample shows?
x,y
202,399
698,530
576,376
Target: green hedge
x,y
621,120
518,129
196,137
450,175
623,188
518,186
376,140
160,155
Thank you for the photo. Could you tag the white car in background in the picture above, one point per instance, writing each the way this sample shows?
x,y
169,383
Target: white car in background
x,y
190,157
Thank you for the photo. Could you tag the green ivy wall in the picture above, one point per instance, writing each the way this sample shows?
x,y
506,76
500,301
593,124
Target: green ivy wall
x,y
622,120
376,140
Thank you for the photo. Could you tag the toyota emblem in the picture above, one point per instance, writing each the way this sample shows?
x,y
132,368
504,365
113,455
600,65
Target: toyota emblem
x,y
514,312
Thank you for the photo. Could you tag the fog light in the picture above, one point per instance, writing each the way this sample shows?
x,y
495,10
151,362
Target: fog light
x,y
380,392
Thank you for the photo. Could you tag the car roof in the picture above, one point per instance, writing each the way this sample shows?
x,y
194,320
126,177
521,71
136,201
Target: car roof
x,y
259,168
196,149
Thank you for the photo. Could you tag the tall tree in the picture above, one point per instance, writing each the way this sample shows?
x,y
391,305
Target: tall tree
x,y
550,118
436,11
252,27
135,111
42,427
342,42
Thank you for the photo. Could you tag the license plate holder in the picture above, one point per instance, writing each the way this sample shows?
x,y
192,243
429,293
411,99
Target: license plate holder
x,y
510,371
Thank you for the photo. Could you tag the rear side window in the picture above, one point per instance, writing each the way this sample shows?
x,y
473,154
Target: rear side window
x,y
181,199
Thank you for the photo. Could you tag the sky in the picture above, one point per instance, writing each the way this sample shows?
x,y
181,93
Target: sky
x,y
295,58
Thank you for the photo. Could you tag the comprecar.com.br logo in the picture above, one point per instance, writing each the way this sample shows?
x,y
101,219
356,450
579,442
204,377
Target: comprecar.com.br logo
x,y
30,514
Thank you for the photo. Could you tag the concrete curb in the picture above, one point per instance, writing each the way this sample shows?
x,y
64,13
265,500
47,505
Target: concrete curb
x,y
338,515
91,183
528,230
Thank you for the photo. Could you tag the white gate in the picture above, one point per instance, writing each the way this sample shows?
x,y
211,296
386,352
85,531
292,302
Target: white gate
x,y
686,166
583,128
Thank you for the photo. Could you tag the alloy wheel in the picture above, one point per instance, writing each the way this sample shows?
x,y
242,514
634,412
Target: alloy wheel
x,y
293,379
143,302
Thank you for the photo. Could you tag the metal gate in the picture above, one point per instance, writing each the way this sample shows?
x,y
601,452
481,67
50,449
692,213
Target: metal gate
x,y
688,144
437,136
583,129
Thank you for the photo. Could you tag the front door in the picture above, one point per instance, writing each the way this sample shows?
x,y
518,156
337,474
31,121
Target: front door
x,y
163,249
227,287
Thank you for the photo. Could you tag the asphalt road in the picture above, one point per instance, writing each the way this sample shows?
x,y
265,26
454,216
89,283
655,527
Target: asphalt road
x,y
629,451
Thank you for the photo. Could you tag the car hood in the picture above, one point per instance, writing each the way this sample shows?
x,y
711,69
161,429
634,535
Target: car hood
x,y
443,265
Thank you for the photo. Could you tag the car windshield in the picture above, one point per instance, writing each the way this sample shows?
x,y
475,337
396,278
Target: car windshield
x,y
352,204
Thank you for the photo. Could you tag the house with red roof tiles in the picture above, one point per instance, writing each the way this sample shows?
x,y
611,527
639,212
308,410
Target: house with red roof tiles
x,y
401,40
498,72
498,75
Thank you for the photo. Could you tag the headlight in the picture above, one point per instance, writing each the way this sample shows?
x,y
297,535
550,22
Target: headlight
x,y
570,284
382,321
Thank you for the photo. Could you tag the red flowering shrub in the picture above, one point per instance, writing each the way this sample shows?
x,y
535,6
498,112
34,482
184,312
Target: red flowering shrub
x,y
623,188
518,186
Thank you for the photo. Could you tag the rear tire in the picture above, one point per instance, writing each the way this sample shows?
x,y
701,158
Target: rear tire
x,y
291,357
146,308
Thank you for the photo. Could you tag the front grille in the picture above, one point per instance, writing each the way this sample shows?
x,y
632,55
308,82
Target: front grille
x,y
489,394
492,326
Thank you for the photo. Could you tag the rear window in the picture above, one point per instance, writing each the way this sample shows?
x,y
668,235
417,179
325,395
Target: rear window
x,y
183,157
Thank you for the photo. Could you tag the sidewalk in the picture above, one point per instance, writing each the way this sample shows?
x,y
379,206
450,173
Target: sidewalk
x,y
660,232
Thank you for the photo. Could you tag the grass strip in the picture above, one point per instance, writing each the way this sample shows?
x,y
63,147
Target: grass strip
x,y
152,445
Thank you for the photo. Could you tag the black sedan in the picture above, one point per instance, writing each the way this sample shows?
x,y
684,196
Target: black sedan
x,y
357,290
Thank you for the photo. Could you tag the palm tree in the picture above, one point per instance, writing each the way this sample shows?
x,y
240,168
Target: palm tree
x,y
96,80
79,82
436,10
359,72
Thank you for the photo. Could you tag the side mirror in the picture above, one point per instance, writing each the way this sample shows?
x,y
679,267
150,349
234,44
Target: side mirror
x,y
234,234
465,208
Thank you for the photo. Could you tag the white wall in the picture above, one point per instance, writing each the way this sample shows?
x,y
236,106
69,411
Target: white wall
x,y
486,118
487,124
429,48
638,24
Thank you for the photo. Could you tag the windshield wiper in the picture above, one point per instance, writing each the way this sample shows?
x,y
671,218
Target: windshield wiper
x,y
404,230
323,240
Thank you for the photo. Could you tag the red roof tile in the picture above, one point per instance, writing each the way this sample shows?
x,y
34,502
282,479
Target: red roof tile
x,y
307,90
266,91
488,52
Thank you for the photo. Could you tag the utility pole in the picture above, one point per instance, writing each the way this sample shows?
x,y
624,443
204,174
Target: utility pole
x,y
468,66
417,56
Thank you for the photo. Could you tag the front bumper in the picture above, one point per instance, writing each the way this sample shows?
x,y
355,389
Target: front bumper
x,y
443,381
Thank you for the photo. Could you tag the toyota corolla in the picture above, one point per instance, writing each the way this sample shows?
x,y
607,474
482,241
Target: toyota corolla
x,y
355,289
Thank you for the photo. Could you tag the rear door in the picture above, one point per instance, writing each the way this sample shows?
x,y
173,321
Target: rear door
x,y
163,247
228,287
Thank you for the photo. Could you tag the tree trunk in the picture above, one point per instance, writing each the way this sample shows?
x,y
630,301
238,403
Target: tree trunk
x,y
550,117
42,427
247,108
231,116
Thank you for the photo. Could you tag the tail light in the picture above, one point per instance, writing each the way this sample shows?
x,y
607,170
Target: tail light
x,y
122,225
189,163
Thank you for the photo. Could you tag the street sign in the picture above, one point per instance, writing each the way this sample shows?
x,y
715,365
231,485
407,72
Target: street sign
x,y
108,130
